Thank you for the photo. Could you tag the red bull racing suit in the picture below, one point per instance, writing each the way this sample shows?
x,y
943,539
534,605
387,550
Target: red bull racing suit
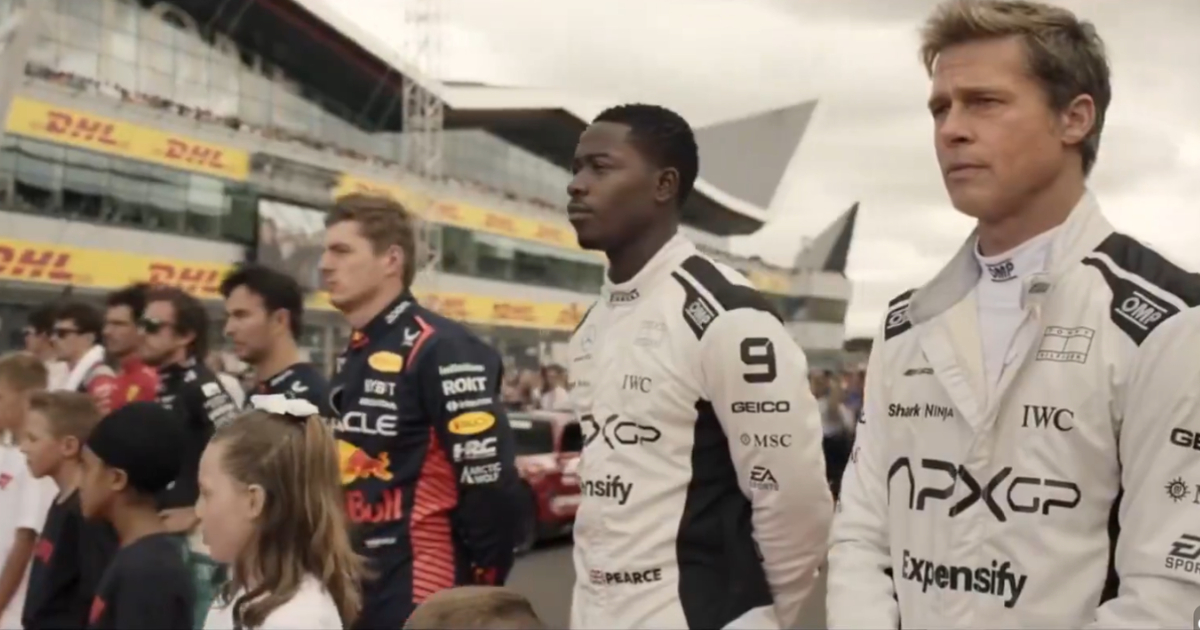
x,y
427,459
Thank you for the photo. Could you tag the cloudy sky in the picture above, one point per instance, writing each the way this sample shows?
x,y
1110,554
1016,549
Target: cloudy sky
x,y
871,139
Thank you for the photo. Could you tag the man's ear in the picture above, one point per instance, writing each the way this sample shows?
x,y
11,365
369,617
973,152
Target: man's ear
x,y
70,446
1078,119
667,186
120,479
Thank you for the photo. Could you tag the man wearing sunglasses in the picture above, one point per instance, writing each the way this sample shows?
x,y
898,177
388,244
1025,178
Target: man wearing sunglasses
x,y
175,341
38,335
76,341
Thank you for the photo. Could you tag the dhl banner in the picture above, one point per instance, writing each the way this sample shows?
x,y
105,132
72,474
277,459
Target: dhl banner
x,y
463,215
35,119
102,269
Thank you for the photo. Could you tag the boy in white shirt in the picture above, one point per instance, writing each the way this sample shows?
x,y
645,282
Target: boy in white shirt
x,y
23,499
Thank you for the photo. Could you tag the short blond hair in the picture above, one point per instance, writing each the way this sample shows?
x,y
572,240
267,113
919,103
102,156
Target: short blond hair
x,y
475,608
70,414
23,372
1064,52
383,221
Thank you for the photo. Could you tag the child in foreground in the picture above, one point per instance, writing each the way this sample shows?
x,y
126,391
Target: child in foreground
x,y
271,508
24,500
475,608
71,553
131,455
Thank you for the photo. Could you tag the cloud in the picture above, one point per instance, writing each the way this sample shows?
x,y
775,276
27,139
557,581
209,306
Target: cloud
x,y
871,138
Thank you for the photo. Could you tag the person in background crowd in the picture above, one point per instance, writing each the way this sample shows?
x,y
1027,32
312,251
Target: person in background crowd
x,y
416,402
130,456
1027,407
855,380
174,338
77,330
122,344
271,507
71,553
39,333
555,396
264,312
510,392
475,608
218,363
24,500
704,501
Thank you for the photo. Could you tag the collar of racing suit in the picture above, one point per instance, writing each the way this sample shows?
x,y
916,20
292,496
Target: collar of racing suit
x,y
178,369
384,321
1084,230
664,261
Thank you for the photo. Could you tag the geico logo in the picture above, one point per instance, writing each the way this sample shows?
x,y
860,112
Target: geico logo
x,y
1186,439
996,580
616,431
762,406
605,578
1022,494
360,422
464,385
389,508
475,449
472,423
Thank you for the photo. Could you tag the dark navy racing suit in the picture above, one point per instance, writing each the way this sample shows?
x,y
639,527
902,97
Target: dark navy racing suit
x,y
427,459
193,391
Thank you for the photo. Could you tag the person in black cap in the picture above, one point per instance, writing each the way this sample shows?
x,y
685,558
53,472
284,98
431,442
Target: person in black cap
x,y
133,454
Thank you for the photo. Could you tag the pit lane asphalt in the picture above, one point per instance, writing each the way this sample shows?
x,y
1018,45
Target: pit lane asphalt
x,y
546,575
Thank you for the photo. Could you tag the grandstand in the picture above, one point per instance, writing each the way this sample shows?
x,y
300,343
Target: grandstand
x,y
167,141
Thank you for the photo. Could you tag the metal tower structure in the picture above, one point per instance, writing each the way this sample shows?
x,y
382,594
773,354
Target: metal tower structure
x,y
424,113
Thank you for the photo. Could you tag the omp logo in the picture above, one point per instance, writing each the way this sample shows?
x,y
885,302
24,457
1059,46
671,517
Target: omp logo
x,y
194,280
1002,271
35,263
1141,310
997,579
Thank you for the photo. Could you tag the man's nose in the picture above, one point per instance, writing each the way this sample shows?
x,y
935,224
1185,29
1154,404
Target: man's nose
x,y
955,127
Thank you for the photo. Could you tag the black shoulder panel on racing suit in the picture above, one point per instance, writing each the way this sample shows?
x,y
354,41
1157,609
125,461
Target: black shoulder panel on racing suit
x,y
897,316
698,312
1138,309
584,318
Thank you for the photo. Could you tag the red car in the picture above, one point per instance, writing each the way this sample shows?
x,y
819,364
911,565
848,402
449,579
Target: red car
x,y
548,446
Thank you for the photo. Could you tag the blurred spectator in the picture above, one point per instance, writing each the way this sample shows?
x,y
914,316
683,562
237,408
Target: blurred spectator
x,y
77,328
555,396
38,332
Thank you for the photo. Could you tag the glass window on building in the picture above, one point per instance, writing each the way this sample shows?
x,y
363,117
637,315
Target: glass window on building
x,y
43,178
512,260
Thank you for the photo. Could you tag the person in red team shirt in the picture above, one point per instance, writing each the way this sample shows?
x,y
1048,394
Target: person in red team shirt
x,y
76,341
135,379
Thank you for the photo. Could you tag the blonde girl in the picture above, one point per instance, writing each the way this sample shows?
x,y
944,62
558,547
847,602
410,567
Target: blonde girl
x,y
271,509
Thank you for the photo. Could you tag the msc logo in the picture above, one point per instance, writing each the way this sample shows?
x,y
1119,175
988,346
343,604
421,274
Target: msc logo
x,y
472,423
767,440
388,362
762,406
1043,416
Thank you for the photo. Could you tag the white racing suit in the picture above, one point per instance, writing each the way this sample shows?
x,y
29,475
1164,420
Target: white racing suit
x,y
705,502
1069,498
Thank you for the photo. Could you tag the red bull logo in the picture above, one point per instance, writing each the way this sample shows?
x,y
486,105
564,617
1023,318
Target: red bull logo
x,y
389,508
356,464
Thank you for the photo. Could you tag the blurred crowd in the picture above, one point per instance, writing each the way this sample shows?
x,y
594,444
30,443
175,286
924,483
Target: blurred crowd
x,y
270,132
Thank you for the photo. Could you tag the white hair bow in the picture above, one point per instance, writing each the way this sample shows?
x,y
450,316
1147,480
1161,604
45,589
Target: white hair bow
x,y
282,405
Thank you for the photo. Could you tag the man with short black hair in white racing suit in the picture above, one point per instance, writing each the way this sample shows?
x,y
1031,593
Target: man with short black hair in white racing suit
x,y
704,502
1031,438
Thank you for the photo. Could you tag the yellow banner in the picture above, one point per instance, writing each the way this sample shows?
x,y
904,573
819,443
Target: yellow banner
x,y
770,282
466,216
102,269
61,125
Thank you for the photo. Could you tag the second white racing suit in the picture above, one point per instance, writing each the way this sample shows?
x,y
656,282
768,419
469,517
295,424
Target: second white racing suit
x,y
1067,498
705,502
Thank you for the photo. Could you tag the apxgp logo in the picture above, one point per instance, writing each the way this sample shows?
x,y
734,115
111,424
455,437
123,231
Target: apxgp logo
x,y
997,580
1021,494
616,431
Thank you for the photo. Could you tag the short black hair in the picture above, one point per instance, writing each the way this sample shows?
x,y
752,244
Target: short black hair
x,y
278,290
663,136
133,297
190,316
85,316
41,319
